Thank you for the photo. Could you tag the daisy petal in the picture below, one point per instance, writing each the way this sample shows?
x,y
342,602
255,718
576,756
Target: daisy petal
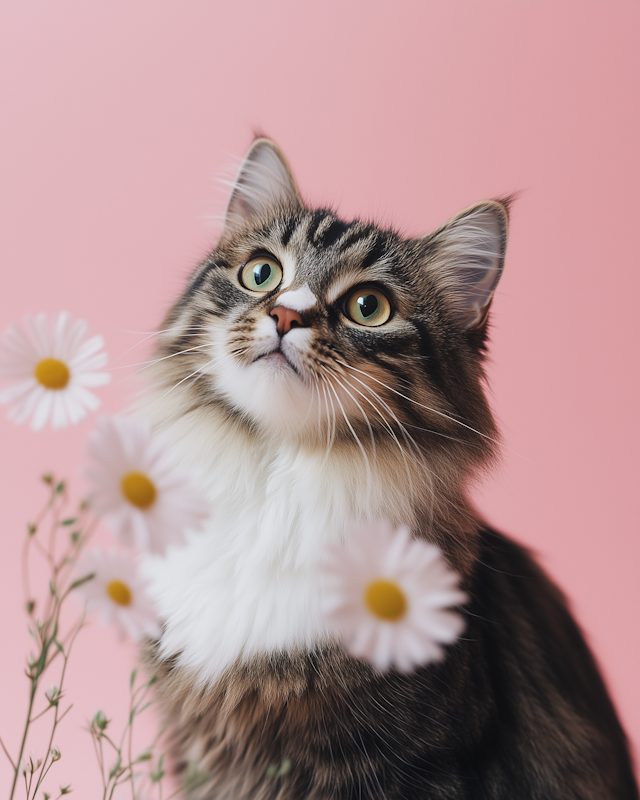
x,y
93,379
87,349
59,412
43,409
24,406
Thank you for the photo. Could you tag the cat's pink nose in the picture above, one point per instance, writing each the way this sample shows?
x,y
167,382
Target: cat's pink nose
x,y
286,318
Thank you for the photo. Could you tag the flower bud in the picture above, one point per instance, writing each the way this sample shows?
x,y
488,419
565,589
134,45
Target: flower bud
x,y
29,765
55,754
53,695
100,720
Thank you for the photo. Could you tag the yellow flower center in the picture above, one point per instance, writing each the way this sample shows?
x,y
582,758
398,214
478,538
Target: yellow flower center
x,y
120,593
52,373
385,600
139,490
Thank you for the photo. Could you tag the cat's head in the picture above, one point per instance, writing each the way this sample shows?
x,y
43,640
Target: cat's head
x,y
301,325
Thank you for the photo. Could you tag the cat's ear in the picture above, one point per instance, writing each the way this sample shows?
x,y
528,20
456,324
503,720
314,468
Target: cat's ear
x,y
468,254
264,181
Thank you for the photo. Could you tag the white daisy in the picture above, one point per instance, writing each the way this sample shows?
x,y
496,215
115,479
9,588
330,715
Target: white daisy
x,y
149,501
53,365
388,597
118,592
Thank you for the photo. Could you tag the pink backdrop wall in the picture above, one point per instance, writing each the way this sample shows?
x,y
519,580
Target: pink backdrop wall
x,y
119,116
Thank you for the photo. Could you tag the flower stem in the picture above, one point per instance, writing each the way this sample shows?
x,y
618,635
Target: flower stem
x,y
34,686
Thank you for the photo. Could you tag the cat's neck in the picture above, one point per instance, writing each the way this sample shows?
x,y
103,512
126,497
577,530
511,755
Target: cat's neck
x,y
250,584
336,481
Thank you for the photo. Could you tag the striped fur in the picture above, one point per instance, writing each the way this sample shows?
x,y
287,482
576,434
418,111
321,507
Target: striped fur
x,y
350,421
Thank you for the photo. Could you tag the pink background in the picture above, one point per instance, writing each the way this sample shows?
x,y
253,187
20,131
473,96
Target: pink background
x,y
118,117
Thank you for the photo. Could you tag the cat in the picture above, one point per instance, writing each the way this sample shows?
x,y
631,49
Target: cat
x,y
316,371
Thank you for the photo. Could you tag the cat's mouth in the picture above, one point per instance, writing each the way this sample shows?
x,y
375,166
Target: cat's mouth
x,y
278,360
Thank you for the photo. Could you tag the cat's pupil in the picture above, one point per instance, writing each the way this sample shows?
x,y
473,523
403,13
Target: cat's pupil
x,y
368,304
261,273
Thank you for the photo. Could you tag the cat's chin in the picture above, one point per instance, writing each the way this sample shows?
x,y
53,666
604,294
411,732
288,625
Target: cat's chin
x,y
271,392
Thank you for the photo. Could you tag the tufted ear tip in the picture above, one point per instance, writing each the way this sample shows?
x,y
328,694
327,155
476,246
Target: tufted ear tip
x,y
469,254
264,180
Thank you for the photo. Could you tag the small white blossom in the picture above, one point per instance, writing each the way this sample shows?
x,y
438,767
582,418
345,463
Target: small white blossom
x,y
118,593
389,595
148,500
53,694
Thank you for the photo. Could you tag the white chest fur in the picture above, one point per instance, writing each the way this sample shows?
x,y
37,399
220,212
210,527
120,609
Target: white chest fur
x,y
250,583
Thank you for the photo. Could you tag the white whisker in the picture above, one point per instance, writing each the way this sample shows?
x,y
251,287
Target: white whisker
x,y
417,458
415,402
151,362
355,435
195,372
308,414
151,334
331,420
366,418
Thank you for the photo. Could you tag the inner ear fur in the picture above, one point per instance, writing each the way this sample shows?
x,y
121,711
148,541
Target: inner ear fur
x,y
467,255
264,181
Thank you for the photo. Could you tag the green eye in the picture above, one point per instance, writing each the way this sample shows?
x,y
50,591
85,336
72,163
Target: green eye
x,y
368,306
261,274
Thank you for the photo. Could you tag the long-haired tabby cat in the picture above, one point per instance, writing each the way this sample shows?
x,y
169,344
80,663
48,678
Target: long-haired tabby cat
x,y
317,371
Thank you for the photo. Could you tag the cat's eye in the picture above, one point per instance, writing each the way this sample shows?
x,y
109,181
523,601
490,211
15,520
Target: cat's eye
x,y
262,274
368,306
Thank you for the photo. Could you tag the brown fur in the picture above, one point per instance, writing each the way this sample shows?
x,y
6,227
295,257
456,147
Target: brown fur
x,y
518,708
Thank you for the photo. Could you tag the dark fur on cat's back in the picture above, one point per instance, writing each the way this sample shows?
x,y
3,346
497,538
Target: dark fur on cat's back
x,y
517,709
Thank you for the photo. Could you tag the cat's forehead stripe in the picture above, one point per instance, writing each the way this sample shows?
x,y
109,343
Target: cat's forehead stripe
x,y
329,234
324,225
289,228
324,230
316,220
356,234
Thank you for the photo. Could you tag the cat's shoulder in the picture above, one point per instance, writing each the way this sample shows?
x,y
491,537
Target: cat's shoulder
x,y
545,679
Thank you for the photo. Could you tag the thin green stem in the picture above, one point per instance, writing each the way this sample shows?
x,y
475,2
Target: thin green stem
x,y
51,763
131,712
56,720
95,749
25,551
111,742
105,783
42,635
42,713
6,752
34,686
